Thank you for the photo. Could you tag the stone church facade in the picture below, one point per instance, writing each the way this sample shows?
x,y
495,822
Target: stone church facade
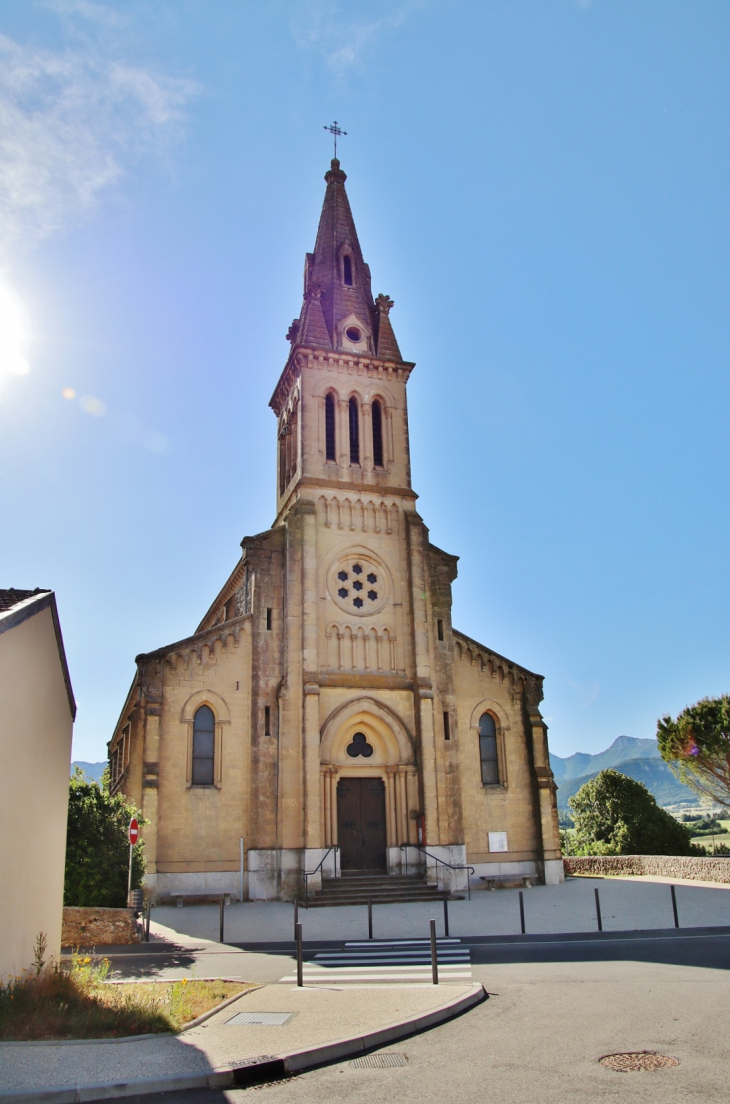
x,y
326,708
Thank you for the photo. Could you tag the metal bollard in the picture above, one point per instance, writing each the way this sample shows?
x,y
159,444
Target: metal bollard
x,y
522,913
223,901
300,967
598,909
446,915
370,918
296,918
148,906
434,955
674,907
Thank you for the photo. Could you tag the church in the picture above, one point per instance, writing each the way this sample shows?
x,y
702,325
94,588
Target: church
x,y
326,718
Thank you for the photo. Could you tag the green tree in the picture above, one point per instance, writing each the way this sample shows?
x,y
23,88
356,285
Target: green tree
x,y
697,746
614,815
97,845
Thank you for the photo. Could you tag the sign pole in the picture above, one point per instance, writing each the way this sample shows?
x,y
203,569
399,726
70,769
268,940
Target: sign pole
x,y
133,835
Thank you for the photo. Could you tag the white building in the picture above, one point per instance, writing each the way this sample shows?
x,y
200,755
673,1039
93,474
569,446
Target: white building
x,y
37,711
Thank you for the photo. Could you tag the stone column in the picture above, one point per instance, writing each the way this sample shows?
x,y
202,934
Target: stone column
x,y
423,687
392,829
333,776
402,806
324,789
547,804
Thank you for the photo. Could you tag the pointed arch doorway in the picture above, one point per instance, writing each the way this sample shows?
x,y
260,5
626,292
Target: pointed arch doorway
x,y
368,782
361,824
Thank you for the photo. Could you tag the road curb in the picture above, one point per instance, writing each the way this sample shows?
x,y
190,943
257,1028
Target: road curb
x,y
255,1072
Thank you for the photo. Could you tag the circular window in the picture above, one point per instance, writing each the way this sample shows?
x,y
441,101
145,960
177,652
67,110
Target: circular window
x,y
352,333
359,584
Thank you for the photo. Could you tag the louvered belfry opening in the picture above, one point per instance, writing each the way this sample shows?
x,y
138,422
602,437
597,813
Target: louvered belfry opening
x,y
377,434
329,427
354,433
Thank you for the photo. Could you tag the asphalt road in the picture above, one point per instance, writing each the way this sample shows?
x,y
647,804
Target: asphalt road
x,y
556,1006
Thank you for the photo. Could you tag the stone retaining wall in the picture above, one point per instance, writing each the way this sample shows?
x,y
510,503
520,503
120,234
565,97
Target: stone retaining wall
x,y
663,866
89,927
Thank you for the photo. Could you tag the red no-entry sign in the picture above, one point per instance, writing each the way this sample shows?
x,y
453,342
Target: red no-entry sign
x,y
133,831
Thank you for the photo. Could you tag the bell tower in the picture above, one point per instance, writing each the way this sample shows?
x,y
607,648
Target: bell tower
x,y
346,423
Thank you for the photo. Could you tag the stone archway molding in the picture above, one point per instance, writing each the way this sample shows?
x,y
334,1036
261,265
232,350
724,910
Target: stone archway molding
x,y
206,697
390,727
489,705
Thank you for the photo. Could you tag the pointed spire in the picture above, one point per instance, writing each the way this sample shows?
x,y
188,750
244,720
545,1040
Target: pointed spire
x,y
338,301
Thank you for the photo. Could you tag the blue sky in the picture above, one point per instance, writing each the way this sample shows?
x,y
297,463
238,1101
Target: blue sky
x,y
542,186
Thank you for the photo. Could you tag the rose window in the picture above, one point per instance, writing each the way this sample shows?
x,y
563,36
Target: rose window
x,y
358,586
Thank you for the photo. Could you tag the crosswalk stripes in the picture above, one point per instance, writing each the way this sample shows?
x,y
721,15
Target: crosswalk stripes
x,y
396,962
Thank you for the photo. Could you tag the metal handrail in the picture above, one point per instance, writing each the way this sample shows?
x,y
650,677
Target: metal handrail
x,y
443,862
308,873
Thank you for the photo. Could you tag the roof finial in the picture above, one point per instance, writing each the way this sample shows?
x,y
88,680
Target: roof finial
x,y
336,132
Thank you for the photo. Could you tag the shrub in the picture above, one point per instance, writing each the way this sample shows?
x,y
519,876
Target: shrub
x,y
97,846
614,815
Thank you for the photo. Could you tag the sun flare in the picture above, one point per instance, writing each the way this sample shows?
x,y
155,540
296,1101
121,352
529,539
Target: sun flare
x,y
14,332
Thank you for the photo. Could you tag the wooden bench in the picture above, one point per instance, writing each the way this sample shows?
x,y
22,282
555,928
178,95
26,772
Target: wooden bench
x,y
493,880
201,894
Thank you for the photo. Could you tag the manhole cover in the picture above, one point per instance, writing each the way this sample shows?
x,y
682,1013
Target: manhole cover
x,y
638,1061
270,1019
379,1061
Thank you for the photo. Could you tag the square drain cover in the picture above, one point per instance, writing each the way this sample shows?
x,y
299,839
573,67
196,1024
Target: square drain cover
x,y
379,1061
270,1019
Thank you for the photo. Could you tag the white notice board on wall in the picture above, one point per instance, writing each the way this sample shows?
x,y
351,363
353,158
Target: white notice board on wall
x,y
498,841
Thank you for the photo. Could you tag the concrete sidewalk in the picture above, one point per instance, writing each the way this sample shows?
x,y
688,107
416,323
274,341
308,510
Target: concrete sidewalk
x,y
324,1024
626,905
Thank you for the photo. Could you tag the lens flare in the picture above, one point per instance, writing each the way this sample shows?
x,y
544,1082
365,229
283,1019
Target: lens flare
x,y
14,332
91,405
69,393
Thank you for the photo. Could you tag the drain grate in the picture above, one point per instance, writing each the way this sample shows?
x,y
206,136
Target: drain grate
x,y
270,1019
638,1061
379,1061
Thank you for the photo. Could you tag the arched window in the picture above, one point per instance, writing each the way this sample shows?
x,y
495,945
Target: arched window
x,y
377,434
203,746
488,750
354,433
347,271
329,427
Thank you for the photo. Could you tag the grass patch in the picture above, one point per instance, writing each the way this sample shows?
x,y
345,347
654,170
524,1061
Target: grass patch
x,y
79,1003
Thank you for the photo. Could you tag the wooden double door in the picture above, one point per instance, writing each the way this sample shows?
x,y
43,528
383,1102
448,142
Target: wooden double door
x,y
361,824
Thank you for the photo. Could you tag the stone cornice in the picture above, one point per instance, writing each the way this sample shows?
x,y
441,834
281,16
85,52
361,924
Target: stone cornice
x,y
530,675
301,358
370,489
191,643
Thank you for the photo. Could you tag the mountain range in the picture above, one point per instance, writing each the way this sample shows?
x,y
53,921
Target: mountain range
x,y
639,759
91,770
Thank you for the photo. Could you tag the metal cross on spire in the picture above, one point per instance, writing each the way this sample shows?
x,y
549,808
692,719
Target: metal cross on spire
x,y
336,132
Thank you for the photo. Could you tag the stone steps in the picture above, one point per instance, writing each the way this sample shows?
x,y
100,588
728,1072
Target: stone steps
x,y
357,889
